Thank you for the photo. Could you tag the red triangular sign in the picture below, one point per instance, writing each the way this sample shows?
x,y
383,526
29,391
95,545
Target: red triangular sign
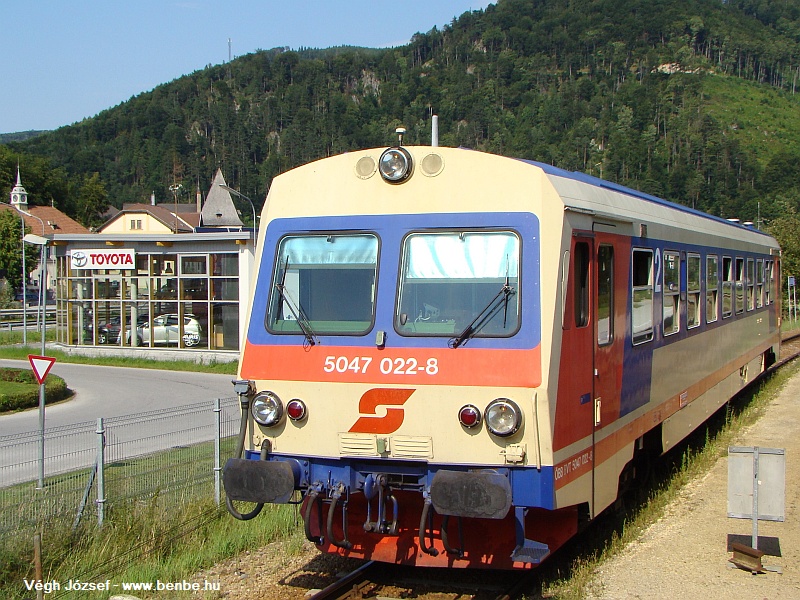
x,y
41,366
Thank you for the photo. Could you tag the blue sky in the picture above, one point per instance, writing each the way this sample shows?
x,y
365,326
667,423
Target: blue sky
x,y
70,59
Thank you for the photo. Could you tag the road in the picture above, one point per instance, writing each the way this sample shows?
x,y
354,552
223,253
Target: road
x,y
114,392
111,393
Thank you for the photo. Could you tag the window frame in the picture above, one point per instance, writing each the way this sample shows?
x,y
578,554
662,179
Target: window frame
x,y
694,289
712,292
646,334
275,296
671,293
516,297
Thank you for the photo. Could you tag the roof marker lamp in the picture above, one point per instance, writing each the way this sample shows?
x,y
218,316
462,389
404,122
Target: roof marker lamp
x,y
267,409
395,165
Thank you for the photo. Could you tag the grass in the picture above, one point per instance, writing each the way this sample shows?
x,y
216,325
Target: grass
x,y
569,575
145,543
11,348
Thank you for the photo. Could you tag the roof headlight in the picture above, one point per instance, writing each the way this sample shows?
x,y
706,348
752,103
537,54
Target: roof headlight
x,y
395,165
267,409
503,417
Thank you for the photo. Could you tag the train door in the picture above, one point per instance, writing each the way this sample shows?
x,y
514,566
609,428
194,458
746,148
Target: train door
x,y
608,298
574,417
590,368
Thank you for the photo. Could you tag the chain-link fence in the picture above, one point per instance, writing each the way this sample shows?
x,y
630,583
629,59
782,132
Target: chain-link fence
x,y
172,454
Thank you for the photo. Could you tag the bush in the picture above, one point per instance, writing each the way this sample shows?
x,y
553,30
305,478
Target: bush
x,y
20,390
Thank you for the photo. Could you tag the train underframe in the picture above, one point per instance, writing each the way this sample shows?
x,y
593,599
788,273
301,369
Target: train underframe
x,y
411,514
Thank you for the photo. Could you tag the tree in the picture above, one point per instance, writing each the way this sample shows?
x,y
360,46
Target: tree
x,y
92,201
10,251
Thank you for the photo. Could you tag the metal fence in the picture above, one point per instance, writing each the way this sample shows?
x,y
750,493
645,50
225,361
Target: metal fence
x,y
171,454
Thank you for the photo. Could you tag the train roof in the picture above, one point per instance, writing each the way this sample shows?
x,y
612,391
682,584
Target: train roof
x,y
621,189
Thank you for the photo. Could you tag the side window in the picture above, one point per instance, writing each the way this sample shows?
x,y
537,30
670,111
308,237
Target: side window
x,y
727,287
768,279
693,290
581,284
750,277
605,295
712,289
642,295
739,285
672,293
759,283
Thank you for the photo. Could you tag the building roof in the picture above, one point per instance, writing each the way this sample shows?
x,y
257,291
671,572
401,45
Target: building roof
x,y
52,220
219,210
183,222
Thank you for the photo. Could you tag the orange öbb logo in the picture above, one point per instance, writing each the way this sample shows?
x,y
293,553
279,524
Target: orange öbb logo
x,y
381,397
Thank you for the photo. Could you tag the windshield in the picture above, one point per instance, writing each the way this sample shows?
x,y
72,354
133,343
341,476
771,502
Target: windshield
x,y
324,284
459,284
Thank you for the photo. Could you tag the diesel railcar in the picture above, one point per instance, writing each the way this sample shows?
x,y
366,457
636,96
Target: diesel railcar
x,y
456,359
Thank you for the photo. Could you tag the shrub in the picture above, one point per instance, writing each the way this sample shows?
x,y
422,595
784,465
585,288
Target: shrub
x,y
20,390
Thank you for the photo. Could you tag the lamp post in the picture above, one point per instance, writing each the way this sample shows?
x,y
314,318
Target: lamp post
x,y
41,310
252,207
42,242
175,188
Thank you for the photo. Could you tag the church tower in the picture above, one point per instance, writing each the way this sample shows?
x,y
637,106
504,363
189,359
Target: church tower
x,y
19,197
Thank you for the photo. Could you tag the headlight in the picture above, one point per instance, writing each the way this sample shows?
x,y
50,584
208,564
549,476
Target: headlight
x,y
503,417
267,409
395,165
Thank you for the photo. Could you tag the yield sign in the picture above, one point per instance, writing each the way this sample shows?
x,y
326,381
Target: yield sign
x,y
41,366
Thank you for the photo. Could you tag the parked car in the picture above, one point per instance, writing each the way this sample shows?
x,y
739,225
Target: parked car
x,y
166,330
108,333
32,297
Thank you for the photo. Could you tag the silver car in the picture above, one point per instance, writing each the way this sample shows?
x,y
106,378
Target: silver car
x,y
166,330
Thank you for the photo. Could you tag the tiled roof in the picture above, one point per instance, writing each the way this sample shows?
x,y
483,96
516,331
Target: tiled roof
x,y
54,221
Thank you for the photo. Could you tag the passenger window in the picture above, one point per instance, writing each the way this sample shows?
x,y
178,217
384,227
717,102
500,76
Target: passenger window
x,y
672,293
750,277
693,290
605,295
581,284
727,287
739,285
769,274
642,296
712,289
759,283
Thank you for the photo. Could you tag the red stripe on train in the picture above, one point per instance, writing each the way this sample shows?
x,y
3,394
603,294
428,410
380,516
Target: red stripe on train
x,y
420,366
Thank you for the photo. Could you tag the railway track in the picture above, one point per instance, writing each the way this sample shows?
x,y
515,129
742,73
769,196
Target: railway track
x,y
376,580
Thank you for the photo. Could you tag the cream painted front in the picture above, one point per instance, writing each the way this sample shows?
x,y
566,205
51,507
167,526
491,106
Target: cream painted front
x,y
430,430
468,182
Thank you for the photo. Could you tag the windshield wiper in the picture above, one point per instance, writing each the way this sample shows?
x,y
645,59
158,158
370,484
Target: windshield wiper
x,y
486,315
295,308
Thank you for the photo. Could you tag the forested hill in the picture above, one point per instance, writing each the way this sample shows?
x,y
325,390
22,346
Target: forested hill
x,y
691,100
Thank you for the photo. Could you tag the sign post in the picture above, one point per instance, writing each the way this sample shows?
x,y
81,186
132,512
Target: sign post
x,y
41,366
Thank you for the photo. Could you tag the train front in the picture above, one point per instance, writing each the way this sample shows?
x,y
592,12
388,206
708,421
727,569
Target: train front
x,y
392,372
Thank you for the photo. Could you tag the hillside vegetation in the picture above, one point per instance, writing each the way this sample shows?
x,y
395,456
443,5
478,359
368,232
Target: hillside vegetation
x,y
691,100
